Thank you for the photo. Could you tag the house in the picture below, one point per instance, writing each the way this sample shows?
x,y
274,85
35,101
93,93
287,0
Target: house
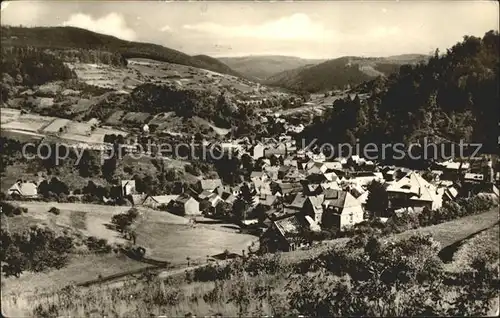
x,y
185,205
262,187
259,175
213,200
158,200
128,187
235,191
268,201
449,194
333,165
293,175
316,168
414,191
204,195
284,234
313,207
296,205
208,184
272,172
23,189
364,178
473,177
227,197
275,150
258,151
290,161
286,190
451,169
282,171
340,210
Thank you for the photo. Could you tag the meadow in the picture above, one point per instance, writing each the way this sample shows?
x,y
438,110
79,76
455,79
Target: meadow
x,y
166,237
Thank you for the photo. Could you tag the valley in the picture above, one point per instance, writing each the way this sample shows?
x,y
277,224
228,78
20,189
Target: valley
x,y
183,187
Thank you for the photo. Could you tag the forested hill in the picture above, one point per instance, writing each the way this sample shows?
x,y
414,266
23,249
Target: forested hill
x,y
454,96
340,72
75,38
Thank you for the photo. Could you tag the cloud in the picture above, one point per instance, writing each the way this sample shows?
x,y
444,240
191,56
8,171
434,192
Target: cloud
x,y
295,27
4,5
112,24
166,28
381,32
26,13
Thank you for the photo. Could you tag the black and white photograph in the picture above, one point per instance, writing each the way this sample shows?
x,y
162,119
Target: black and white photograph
x,y
249,158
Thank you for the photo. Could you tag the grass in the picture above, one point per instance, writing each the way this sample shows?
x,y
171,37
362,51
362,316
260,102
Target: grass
x,y
179,298
450,232
81,268
484,243
166,237
78,220
174,242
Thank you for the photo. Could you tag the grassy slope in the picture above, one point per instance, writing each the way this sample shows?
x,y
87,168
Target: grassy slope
x,y
450,232
76,38
123,304
167,237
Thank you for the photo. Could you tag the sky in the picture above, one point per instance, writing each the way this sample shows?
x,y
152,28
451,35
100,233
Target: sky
x,y
308,29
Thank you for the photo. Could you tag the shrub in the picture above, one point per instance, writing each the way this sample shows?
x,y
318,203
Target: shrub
x,y
55,210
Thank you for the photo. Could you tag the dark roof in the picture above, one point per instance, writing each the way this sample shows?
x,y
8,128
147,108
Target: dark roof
x,y
339,199
183,198
267,199
210,184
288,226
298,201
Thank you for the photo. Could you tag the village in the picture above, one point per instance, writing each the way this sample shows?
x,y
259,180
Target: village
x,y
291,191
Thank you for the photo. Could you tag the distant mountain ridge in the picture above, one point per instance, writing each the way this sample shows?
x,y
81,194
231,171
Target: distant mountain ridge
x,y
339,72
263,66
76,38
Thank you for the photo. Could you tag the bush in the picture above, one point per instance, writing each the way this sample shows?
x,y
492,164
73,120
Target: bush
x,y
55,210
98,245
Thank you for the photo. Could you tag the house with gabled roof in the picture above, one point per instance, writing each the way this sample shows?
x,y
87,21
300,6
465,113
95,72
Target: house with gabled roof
x,y
208,184
278,149
185,204
156,201
414,191
204,195
272,172
128,187
284,234
23,189
297,204
340,210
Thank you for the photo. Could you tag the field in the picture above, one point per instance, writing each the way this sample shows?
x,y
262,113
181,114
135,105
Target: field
x,y
9,114
77,128
167,237
81,268
27,122
173,243
56,125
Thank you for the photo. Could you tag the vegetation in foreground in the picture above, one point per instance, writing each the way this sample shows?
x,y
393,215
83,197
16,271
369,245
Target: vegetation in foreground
x,y
367,277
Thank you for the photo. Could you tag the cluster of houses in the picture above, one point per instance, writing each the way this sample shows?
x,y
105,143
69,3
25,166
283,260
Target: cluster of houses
x,y
294,189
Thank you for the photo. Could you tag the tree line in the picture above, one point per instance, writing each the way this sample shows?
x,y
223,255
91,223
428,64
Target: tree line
x,y
451,97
